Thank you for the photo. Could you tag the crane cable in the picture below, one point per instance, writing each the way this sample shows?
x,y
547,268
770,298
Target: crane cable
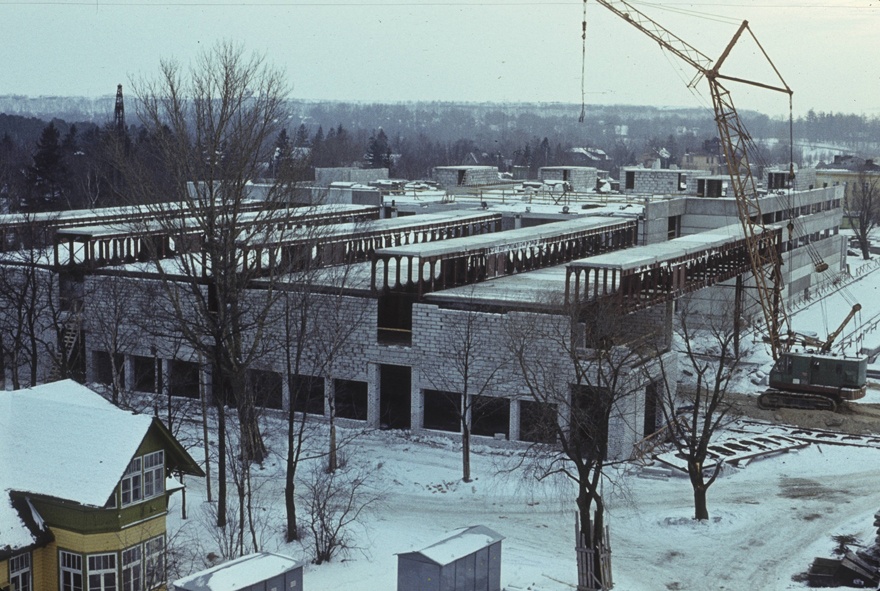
x,y
583,65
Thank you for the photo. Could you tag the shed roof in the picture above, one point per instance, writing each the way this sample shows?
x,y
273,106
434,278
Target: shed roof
x,y
239,573
461,543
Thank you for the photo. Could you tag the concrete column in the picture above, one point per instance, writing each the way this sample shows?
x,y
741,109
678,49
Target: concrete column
x,y
329,394
128,377
563,413
166,377
91,374
373,395
514,419
205,382
285,392
417,401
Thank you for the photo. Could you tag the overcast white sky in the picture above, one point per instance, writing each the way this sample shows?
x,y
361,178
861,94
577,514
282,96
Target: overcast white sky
x,y
457,50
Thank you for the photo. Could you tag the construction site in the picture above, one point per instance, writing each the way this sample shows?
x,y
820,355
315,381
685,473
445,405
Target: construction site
x,y
432,311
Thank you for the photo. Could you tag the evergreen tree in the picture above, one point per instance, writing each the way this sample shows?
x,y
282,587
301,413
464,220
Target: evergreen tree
x,y
48,174
282,151
301,139
378,151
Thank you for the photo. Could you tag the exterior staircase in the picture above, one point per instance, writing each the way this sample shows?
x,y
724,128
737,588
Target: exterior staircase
x,y
70,334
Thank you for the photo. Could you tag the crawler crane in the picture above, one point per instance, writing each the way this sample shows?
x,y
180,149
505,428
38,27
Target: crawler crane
x,y
798,379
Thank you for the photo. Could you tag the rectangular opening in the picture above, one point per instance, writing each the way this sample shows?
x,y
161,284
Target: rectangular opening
x,y
537,421
307,394
351,399
777,181
265,388
490,415
394,319
630,179
395,396
673,227
104,368
461,177
184,378
145,374
651,397
589,407
442,411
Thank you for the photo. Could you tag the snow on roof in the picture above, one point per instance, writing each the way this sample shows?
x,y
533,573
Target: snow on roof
x,y
463,542
640,256
500,241
61,440
239,573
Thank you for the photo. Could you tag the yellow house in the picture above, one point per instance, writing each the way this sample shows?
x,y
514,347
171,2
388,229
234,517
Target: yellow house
x,y
84,490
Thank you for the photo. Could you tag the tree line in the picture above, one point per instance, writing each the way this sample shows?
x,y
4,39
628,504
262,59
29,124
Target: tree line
x,y
59,165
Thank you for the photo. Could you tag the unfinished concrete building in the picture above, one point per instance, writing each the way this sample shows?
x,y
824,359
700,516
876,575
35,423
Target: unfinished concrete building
x,y
402,295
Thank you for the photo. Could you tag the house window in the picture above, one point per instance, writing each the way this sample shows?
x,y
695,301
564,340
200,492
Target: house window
x,y
131,569
154,474
71,571
102,572
154,562
20,573
132,492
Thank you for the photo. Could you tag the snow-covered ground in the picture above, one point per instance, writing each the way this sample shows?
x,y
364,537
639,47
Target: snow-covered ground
x,y
768,519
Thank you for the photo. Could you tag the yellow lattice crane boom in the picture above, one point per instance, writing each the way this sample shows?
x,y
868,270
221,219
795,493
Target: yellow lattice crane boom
x,y
765,260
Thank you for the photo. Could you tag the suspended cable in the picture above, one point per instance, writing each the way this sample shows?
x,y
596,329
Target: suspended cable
x,y
583,65
702,15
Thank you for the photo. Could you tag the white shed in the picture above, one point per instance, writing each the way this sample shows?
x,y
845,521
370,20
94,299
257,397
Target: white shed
x,y
468,560
263,571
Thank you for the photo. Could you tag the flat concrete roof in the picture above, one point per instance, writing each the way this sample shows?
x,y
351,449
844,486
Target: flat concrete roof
x,y
500,241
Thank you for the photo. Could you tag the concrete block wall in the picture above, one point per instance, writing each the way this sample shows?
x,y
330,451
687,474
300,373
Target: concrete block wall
x,y
660,181
325,176
474,176
582,178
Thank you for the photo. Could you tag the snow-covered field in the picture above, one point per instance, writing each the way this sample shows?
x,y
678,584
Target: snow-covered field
x,y
768,519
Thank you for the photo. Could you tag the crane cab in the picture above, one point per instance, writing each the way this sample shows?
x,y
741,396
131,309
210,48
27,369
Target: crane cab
x,y
838,377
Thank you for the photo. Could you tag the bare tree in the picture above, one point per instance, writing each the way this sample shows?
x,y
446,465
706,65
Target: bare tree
x,y
337,319
114,331
582,367
32,321
862,207
336,502
318,322
696,414
468,371
212,128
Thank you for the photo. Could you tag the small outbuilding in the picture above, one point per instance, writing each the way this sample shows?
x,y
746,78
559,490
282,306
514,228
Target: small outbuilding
x,y
468,560
263,571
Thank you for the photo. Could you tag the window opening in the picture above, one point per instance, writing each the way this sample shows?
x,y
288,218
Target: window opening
x,y
154,474
132,491
154,562
131,569
102,572
70,566
20,572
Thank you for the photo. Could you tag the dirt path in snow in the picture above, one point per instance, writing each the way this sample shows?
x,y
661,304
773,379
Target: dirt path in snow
x,y
855,418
